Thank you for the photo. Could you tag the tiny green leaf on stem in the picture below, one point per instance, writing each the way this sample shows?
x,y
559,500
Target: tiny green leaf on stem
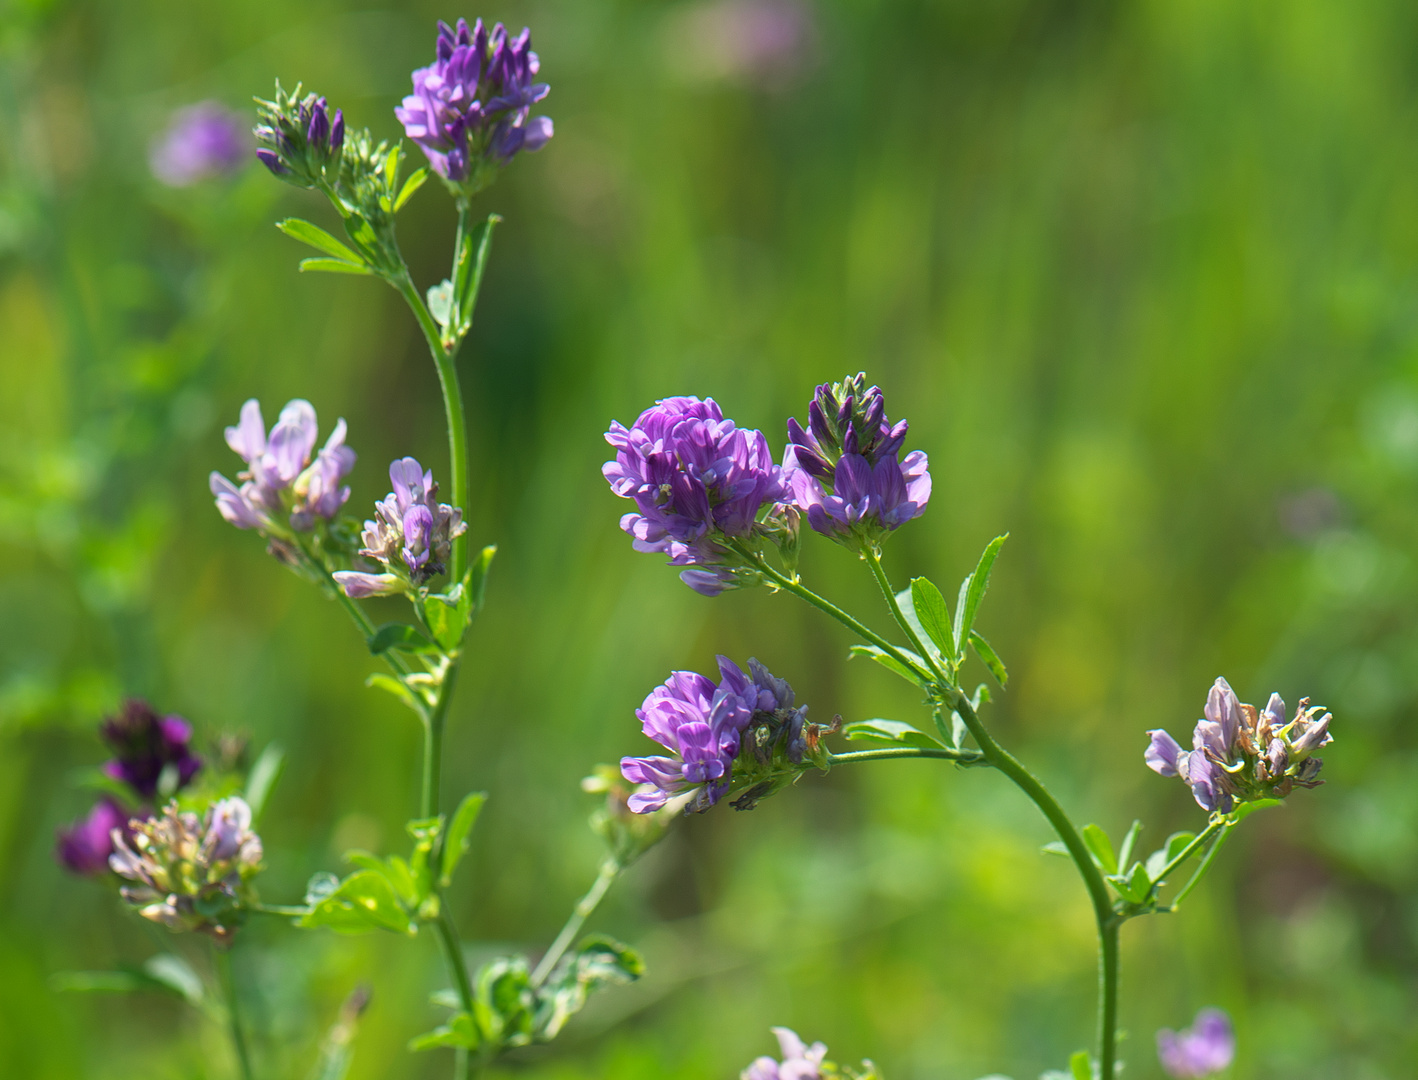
x,y
1129,842
1081,1066
1056,847
411,185
391,685
1101,847
886,660
318,238
399,636
333,266
934,616
892,731
989,657
455,843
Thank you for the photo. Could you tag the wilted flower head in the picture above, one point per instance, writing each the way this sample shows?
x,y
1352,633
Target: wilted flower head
x,y
411,535
85,846
152,752
299,139
281,480
469,110
698,483
703,723
1240,752
845,469
191,873
1202,1050
201,140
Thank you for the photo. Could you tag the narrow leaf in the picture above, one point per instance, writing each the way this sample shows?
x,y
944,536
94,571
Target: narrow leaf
x,y
1081,1066
411,185
399,636
980,581
262,778
1056,847
391,685
1102,848
890,662
460,828
332,266
931,610
907,604
317,238
1129,841
476,582
991,659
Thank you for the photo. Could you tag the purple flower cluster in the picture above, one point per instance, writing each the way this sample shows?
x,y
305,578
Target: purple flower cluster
x,y
299,140
281,480
202,140
151,752
1202,1050
846,470
707,492
470,108
800,1062
1240,752
411,535
698,483
702,724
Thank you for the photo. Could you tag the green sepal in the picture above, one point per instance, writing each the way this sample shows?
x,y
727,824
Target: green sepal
x,y
892,731
457,838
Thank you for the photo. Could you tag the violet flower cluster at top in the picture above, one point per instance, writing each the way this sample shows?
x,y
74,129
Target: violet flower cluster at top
x,y
1240,753
846,470
707,492
702,724
281,484
411,535
470,108
152,757
1200,1051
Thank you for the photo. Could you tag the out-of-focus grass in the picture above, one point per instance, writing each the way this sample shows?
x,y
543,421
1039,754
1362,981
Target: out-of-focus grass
x,y
1142,278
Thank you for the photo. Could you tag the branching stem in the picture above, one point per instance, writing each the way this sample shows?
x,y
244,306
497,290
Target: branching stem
x,y
610,870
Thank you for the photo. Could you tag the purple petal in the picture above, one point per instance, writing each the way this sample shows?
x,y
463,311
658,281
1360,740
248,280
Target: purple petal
x,y
1162,753
248,437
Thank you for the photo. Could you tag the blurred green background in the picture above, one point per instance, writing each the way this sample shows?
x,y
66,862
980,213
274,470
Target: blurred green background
x,y
1143,278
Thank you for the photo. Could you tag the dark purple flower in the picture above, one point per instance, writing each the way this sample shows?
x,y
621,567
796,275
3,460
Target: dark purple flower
x,y
299,139
1202,1050
201,140
846,471
470,108
146,745
698,483
85,846
280,478
411,534
1240,752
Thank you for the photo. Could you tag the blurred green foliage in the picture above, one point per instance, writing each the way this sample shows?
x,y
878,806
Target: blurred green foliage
x,y
1142,277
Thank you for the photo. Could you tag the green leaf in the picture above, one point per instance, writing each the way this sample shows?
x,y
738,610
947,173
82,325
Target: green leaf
x,y
1081,1066
1129,842
448,614
930,608
468,276
176,974
1134,885
411,185
1175,845
426,833
890,662
319,239
1056,847
459,1031
1102,848
907,604
364,901
978,582
332,266
391,685
476,580
597,962
892,731
362,233
460,828
991,659
262,778
399,636
504,1001
394,870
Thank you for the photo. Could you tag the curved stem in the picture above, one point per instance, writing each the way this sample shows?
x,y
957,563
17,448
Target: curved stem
x,y
233,1011
610,869
453,412
965,757
873,560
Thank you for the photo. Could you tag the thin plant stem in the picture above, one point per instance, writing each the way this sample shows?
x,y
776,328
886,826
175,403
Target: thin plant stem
x,y
610,870
1186,852
453,953
233,1011
292,910
433,744
873,560
965,757
1203,868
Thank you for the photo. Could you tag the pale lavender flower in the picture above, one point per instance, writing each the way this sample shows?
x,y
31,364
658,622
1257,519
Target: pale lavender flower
x,y
845,470
799,1061
1202,1050
470,108
699,483
411,535
280,479
201,141
1240,752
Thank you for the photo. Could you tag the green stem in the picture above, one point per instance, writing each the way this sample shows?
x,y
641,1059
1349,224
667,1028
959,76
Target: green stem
x,y
1186,853
610,869
453,954
453,412
356,613
967,757
279,909
233,1011
1203,868
873,560
433,744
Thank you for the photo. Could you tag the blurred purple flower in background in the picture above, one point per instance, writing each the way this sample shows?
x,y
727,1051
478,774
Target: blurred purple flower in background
x,y
697,481
755,42
800,1062
1202,1050
845,469
470,108
201,141
85,846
